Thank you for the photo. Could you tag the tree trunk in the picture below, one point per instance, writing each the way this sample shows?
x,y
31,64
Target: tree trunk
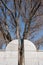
x,y
21,53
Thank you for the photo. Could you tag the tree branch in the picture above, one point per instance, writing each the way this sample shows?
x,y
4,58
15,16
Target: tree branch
x,y
38,15
6,34
32,13
9,11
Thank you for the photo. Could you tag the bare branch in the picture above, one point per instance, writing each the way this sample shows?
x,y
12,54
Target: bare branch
x,y
5,32
32,13
38,15
9,11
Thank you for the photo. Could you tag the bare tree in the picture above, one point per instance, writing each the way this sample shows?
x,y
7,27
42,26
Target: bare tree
x,y
29,11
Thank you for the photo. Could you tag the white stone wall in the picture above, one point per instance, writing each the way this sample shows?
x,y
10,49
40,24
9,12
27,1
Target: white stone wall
x,y
31,56
9,58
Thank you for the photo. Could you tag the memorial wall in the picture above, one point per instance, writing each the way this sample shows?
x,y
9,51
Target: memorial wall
x,y
31,55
